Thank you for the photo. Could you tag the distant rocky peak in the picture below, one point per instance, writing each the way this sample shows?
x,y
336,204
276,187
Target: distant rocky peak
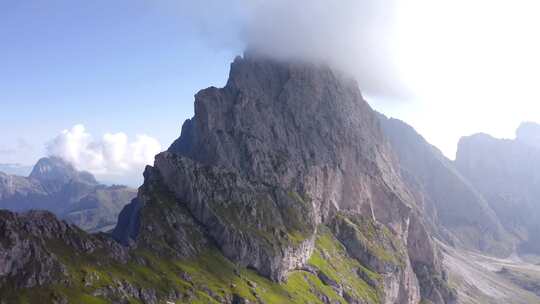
x,y
55,171
52,168
529,133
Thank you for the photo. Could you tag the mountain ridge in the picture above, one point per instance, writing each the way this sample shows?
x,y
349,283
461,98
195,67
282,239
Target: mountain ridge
x,y
505,172
459,214
76,196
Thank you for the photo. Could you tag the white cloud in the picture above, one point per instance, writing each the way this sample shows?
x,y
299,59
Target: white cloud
x,y
112,155
449,68
352,35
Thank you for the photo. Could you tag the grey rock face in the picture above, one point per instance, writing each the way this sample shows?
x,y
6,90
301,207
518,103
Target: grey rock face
x,y
160,223
127,227
76,196
259,226
455,211
54,172
507,173
280,149
27,258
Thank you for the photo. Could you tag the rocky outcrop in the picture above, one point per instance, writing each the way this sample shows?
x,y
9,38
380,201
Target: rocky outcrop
x,y
454,210
76,196
507,173
255,224
375,247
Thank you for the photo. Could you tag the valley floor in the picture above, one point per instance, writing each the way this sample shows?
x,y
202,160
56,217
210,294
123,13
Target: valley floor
x,y
482,279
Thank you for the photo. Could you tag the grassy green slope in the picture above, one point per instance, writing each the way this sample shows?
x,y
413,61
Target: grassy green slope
x,y
209,278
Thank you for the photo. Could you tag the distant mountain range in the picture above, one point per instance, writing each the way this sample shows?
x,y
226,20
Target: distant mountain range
x,y
456,212
507,173
76,196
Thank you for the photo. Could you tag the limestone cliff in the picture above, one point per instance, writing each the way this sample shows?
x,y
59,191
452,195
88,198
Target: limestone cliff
x,y
281,189
282,149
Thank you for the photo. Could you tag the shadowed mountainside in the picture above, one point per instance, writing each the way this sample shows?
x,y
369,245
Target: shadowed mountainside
x,y
507,173
457,212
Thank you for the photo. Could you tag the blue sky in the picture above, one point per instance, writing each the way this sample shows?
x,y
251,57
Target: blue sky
x,y
124,68
114,66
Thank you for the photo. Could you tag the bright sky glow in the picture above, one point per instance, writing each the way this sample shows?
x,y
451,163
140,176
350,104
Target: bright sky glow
x,y
473,67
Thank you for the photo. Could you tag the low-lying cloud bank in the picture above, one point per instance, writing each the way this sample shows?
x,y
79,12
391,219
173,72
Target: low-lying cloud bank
x,y
113,157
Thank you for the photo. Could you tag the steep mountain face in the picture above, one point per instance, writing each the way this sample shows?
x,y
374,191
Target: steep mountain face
x,y
282,152
281,189
456,212
507,173
57,186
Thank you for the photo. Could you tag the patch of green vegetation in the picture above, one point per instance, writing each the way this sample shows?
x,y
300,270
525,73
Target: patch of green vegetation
x,y
331,258
207,278
297,198
262,219
376,238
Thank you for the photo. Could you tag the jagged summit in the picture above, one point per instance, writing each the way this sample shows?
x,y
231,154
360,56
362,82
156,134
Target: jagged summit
x,y
282,151
275,120
54,172
271,101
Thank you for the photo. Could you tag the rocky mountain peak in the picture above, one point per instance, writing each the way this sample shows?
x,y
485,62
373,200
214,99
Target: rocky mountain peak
x,y
54,172
275,121
284,150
